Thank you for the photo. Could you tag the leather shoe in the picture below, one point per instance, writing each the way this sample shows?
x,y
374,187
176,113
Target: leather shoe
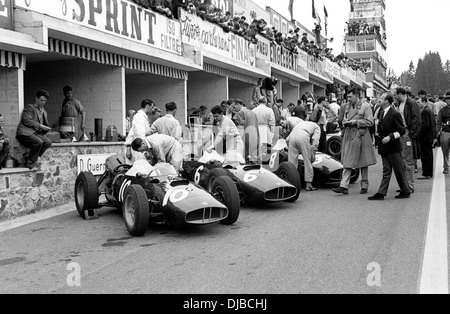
x,y
364,191
376,197
340,190
403,196
400,191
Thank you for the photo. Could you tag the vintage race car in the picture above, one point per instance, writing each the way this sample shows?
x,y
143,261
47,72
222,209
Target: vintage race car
x,y
327,169
255,184
156,194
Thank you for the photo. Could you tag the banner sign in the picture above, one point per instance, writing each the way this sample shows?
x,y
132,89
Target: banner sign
x,y
333,69
121,18
288,60
263,48
96,164
210,37
317,68
250,10
6,14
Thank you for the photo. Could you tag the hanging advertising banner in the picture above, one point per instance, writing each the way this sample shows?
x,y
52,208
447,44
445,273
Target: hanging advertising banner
x,y
6,14
224,5
123,19
263,48
281,24
317,68
250,10
210,37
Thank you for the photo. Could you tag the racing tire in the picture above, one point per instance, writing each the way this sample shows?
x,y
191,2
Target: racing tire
x,y
334,147
355,177
86,193
215,173
224,189
136,211
288,172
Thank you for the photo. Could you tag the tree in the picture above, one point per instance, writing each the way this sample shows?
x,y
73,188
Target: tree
x,y
408,78
430,74
447,74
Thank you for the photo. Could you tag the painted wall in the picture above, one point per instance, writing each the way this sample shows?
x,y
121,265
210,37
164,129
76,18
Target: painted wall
x,y
160,89
98,87
241,90
206,89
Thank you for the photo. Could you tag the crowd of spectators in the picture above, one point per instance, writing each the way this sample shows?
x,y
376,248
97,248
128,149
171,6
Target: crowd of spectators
x,y
292,41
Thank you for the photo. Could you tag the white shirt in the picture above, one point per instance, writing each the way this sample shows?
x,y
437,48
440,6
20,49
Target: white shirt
x,y
140,127
385,112
167,125
266,123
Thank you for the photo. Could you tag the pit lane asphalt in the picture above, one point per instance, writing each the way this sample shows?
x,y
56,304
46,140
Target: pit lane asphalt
x,y
321,244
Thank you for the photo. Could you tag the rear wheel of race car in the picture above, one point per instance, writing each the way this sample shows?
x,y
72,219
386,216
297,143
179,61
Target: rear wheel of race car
x,y
334,146
225,190
289,173
136,210
86,193
216,173
355,177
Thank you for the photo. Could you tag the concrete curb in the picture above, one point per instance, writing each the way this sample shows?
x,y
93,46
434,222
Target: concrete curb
x,y
22,221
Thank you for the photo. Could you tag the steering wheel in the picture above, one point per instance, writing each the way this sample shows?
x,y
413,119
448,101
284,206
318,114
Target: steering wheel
x,y
124,166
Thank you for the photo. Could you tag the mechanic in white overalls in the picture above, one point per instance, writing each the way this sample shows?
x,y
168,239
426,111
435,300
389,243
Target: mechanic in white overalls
x,y
304,139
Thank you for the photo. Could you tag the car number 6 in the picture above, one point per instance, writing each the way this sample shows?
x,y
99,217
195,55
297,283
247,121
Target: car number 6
x,y
175,196
197,176
250,176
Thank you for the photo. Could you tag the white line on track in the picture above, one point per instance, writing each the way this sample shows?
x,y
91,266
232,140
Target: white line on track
x,y
434,279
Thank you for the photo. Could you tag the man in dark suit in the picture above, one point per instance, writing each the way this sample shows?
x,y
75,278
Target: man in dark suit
x,y
426,138
390,130
412,120
33,128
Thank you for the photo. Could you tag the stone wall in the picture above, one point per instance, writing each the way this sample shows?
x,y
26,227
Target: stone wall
x,y
24,192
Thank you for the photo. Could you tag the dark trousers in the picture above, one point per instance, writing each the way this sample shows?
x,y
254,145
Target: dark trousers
x,y
393,162
323,139
426,151
38,144
4,150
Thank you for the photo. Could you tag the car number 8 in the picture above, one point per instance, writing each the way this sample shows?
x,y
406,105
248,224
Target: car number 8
x,y
273,159
175,196
250,176
197,176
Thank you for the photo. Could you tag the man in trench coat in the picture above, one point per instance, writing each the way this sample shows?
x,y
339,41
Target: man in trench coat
x,y
357,149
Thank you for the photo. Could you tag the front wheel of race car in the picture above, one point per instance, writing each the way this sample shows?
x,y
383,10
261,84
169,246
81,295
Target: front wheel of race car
x,y
225,190
289,173
334,147
136,210
86,193
215,173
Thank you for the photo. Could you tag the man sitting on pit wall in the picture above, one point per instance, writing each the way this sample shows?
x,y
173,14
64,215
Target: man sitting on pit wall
x,y
5,146
33,128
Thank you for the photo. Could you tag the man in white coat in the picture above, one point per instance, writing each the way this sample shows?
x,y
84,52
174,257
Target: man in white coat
x,y
163,148
168,125
266,121
140,127
304,139
228,132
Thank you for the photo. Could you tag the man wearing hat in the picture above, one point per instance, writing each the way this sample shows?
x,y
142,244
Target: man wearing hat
x,y
33,128
443,130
